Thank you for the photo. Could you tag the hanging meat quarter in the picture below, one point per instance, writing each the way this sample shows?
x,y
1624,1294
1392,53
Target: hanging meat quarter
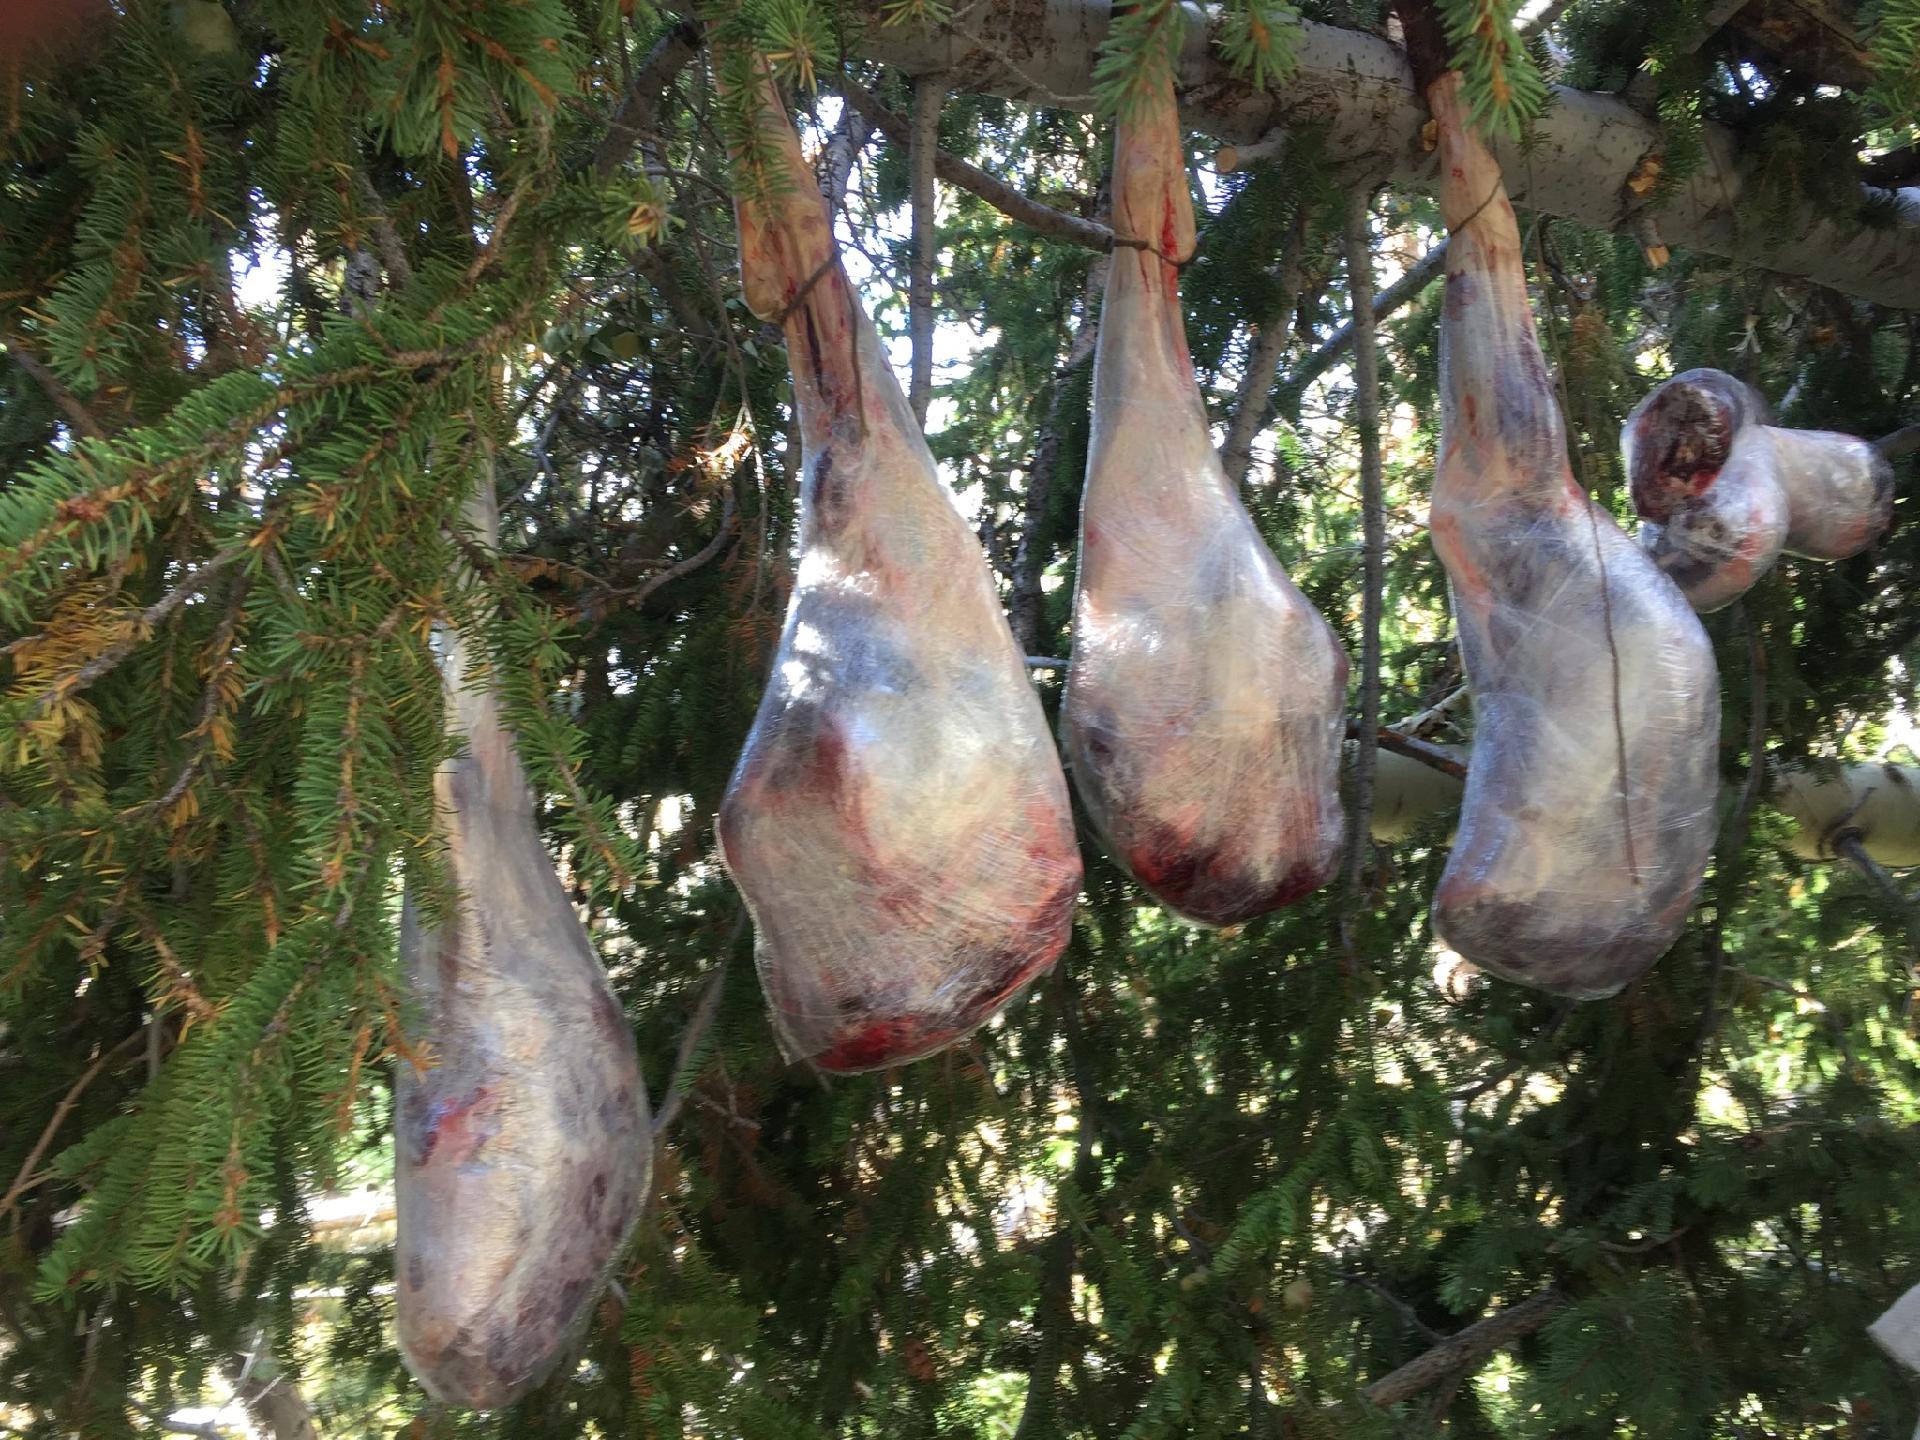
x,y
1722,493
1204,699
898,821
522,1152
1589,807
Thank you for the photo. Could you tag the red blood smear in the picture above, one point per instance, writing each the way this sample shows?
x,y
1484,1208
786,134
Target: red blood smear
x,y
1211,885
458,1124
898,1039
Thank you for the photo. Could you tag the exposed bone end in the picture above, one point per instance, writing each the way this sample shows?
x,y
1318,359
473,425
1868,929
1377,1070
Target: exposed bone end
x,y
1680,435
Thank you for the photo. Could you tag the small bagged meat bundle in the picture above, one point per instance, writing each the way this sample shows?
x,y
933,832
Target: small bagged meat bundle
x,y
1204,700
522,1153
1589,807
898,821
1722,493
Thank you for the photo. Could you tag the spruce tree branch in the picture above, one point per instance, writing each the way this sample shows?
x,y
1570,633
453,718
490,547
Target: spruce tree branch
x,y
639,108
1389,302
1252,407
1026,605
103,663
923,140
1465,1348
1041,218
704,1013
77,414
1366,373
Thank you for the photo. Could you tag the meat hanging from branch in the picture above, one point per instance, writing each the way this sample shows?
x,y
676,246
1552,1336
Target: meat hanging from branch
x,y
1589,810
1722,492
522,1153
898,820
1204,699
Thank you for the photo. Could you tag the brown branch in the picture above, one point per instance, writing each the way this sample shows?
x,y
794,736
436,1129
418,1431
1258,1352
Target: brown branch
x,y
703,556
1253,404
1044,219
923,140
1431,756
1389,302
1027,603
701,1021
640,106
1465,1348
77,414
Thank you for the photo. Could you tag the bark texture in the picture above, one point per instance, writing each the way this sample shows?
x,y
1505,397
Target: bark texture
x,y
1358,89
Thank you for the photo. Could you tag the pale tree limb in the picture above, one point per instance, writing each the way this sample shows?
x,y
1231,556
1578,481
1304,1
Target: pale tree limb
x,y
1366,422
1356,90
1388,303
1253,404
272,1401
1465,1349
923,140
1014,204
639,108
1026,604
698,1025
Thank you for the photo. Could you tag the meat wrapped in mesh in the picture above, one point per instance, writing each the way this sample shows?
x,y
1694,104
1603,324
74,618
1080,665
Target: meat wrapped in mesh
x,y
1204,700
898,821
1589,809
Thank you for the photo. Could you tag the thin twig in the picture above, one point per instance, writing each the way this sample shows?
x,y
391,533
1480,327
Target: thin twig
x,y
77,414
929,92
25,1179
1432,756
1366,374
1054,224
698,1024
638,107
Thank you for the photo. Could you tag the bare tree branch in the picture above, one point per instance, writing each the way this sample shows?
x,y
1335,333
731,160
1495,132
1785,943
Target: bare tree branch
x,y
1389,302
77,414
639,108
1900,443
1253,405
1366,421
1465,1348
923,140
1044,219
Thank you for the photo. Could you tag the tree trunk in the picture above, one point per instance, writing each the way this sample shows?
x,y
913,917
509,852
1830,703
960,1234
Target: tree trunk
x,y
1358,87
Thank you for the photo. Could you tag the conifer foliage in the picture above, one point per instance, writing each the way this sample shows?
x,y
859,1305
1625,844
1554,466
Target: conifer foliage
x,y
282,281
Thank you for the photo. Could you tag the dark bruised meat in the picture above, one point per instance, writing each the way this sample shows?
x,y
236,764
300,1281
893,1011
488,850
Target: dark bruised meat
x,y
1723,493
522,1153
898,821
1588,812
1204,702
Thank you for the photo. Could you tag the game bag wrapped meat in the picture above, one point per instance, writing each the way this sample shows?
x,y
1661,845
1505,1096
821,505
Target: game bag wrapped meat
x,y
1204,700
1589,807
1723,493
522,1151
898,821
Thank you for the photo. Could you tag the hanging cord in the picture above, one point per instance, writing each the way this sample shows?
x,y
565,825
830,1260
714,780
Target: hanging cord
x,y
1599,559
